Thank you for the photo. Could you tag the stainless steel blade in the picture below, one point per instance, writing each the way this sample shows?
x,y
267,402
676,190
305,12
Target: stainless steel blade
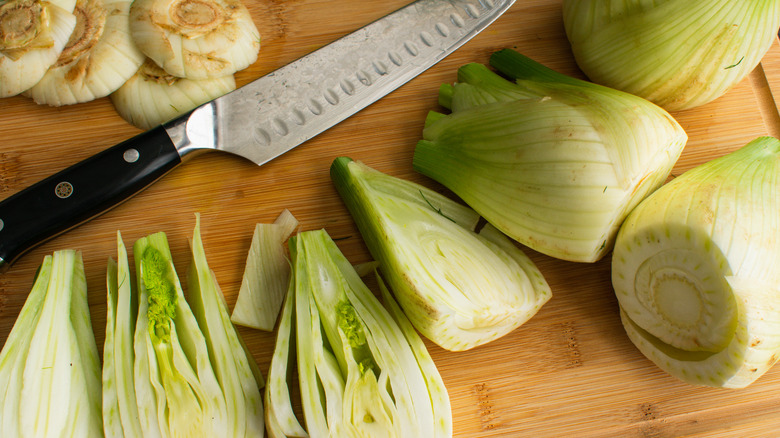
x,y
283,109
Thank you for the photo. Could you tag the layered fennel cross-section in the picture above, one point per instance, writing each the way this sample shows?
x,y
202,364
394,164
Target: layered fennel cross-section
x,y
695,269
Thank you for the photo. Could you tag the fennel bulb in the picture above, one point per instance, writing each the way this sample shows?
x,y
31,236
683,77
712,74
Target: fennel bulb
x,y
151,96
458,287
678,54
49,366
98,58
33,34
362,369
695,270
266,275
195,39
554,162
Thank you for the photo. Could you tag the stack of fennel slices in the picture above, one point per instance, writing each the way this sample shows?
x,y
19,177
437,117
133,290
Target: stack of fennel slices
x,y
156,58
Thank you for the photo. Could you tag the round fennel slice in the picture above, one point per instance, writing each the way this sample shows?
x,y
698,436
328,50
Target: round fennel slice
x,y
32,35
195,39
152,96
98,58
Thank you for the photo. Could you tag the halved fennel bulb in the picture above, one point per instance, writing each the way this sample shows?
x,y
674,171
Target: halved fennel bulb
x,y
677,53
152,96
554,162
99,57
195,39
695,270
33,33
459,288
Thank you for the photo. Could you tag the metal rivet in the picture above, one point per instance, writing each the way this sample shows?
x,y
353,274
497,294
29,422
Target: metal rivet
x,y
63,190
131,155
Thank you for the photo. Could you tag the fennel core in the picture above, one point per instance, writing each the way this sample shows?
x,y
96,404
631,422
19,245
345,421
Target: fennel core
x,y
162,294
20,24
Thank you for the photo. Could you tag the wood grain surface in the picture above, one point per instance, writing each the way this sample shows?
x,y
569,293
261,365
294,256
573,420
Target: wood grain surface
x,y
570,371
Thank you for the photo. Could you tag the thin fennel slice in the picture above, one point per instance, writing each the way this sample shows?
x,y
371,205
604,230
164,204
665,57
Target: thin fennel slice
x,y
266,275
231,362
151,96
15,350
33,33
195,39
694,270
98,58
120,410
280,418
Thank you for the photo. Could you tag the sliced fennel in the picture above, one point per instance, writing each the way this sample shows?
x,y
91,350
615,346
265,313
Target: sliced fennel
x,y
554,162
195,39
694,270
358,374
152,96
235,368
677,53
266,275
33,33
459,288
120,410
280,416
176,386
98,58
49,365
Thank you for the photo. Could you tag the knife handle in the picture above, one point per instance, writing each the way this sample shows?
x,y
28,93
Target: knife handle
x,y
83,191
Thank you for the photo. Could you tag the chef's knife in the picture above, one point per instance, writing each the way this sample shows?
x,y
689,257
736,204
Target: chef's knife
x,y
258,121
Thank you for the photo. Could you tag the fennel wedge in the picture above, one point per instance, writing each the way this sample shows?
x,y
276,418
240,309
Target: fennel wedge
x,y
458,287
554,162
98,58
33,34
360,373
49,365
176,387
195,39
694,270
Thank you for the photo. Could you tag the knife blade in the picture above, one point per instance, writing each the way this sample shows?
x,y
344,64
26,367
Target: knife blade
x,y
258,121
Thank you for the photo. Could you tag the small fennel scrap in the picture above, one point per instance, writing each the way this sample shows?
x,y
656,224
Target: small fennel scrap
x,y
266,275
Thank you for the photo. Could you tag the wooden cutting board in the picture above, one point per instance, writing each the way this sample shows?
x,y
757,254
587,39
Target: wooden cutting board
x,y
570,371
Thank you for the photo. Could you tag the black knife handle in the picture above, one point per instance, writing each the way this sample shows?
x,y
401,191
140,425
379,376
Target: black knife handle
x,y
82,191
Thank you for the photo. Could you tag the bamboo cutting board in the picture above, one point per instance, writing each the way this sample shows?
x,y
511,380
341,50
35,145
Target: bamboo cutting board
x,y
570,371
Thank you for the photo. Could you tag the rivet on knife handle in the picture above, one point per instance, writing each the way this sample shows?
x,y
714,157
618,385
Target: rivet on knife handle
x,y
82,191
